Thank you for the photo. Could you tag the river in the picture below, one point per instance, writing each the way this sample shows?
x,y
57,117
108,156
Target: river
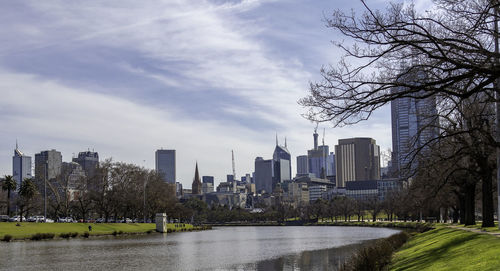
x,y
222,248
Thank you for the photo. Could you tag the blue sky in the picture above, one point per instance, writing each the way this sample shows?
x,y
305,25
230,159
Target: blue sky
x,y
127,77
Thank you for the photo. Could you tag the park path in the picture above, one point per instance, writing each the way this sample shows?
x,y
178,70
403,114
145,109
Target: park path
x,y
497,234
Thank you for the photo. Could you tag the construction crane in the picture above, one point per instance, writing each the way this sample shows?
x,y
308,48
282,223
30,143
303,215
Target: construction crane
x,y
234,172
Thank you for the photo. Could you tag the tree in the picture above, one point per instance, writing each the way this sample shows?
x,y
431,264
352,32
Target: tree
x,y
9,184
450,53
27,192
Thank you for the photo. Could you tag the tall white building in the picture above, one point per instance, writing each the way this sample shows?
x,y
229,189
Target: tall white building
x,y
21,166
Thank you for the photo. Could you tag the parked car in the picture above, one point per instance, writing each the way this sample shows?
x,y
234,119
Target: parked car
x,y
100,220
4,218
16,218
48,220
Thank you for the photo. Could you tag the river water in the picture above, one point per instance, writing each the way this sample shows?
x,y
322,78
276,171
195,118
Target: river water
x,y
223,248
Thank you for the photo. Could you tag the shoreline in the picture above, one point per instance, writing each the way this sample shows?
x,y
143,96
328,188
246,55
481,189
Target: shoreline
x,y
29,231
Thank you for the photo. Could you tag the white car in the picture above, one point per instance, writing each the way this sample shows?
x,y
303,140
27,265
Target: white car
x,y
48,220
16,218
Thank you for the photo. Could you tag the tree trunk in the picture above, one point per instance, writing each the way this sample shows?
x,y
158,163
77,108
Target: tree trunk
x,y
8,202
470,202
488,207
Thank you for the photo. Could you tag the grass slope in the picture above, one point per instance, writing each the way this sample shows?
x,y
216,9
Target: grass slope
x,y
27,229
449,249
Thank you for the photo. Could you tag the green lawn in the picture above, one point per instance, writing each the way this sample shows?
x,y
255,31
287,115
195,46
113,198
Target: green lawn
x,y
449,249
27,229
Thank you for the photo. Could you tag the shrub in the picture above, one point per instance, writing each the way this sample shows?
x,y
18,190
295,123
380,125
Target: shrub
x,y
7,238
115,233
377,254
74,234
42,236
86,234
150,231
64,235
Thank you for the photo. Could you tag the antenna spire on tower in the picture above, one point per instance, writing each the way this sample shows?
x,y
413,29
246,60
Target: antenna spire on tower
x,y
16,145
285,141
276,138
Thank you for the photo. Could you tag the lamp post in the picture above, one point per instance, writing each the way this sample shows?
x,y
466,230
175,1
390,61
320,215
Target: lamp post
x,y
45,190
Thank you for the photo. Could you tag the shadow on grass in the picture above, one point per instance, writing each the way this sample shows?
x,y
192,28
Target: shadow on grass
x,y
426,257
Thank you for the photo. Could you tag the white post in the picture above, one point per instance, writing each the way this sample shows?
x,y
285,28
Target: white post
x,y
161,222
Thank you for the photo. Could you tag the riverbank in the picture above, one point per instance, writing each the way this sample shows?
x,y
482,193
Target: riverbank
x,y
36,231
447,248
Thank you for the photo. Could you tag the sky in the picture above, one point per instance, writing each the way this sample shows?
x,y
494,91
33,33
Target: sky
x,y
203,77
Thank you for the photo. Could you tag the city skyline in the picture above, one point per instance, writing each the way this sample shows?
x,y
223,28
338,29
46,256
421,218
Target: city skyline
x,y
75,78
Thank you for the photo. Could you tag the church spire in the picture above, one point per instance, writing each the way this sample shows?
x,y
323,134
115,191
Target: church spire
x,y
196,186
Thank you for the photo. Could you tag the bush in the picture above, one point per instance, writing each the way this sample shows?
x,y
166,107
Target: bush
x,y
150,231
115,233
7,238
74,234
86,234
64,235
377,254
42,236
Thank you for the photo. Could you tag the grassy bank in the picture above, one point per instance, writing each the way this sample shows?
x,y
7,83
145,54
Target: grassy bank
x,y
26,229
449,249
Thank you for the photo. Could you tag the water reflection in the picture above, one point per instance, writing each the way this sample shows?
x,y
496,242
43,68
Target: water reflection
x,y
224,248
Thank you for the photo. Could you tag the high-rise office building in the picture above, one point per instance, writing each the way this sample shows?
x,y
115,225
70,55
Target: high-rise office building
x,y
21,166
165,164
319,160
413,125
89,161
208,179
48,165
302,165
357,159
264,170
282,164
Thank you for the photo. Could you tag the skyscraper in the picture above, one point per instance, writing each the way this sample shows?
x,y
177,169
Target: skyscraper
x,y
319,159
48,165
357,159
264,175
302,165
282,164
165,164
89,162
21,166
196,185
208,179
413,124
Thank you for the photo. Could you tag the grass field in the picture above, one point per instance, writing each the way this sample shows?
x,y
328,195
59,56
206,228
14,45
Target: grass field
x,y
449,249
27,229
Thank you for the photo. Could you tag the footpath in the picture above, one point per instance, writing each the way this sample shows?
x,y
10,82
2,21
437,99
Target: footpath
x,y
497,233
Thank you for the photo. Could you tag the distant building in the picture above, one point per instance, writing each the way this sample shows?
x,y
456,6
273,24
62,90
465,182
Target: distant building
x,y
208,179
316,192
264,170
89,162
207,187
362,190
282,164
357,159
196,185
21,166
414,123
320,161
302,165
48,165
73,179
229,178
165,165
298,193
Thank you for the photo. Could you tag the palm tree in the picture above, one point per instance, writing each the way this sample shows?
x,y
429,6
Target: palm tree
x,y
9,184
26,192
